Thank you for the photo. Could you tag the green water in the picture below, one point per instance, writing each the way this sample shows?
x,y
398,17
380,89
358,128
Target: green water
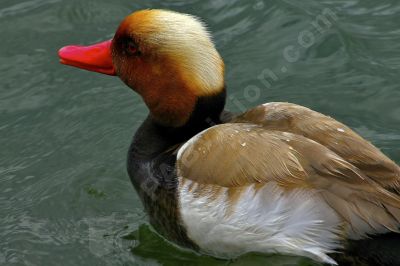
x,y
65,197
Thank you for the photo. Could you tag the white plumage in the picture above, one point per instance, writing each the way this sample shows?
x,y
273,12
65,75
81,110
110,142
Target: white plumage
x,y
266,220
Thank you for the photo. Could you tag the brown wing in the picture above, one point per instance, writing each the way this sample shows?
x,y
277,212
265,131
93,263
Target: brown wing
x,y
240,154
330,133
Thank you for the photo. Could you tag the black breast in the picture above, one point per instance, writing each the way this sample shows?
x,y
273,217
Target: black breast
x,y
155,181
151,166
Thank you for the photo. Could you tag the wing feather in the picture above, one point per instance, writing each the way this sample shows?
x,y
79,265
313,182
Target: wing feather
x,y
242,154
330,133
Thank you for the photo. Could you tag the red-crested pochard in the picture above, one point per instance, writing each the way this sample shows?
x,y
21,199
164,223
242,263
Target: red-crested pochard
x,y
279,178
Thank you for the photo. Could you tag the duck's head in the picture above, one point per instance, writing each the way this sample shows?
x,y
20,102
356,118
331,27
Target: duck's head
x,y
166,57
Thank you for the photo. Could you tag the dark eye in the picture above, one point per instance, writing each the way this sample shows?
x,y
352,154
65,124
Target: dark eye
x,y
132,48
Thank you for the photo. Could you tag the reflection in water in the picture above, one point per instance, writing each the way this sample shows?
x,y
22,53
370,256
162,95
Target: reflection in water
x,y
150,245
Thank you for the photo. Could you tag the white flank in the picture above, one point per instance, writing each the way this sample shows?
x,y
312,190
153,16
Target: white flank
x,y
267,220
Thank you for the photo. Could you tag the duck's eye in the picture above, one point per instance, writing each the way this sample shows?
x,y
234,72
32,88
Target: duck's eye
x,y
132,48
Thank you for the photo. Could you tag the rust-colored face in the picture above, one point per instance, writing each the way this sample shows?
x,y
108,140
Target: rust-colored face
x,y
155,75
158,58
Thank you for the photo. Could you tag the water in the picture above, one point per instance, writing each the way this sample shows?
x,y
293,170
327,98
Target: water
x,y
65,197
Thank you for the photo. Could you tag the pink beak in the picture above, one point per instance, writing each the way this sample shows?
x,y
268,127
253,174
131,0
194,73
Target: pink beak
x,y
96,57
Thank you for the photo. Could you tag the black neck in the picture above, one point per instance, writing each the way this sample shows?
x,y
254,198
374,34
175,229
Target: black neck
x,y
151,165
152,138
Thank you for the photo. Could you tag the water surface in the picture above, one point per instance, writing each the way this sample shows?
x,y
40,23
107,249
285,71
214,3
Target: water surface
x,y
65,197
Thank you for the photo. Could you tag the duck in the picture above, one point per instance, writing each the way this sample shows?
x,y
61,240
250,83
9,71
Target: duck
x,y
278,178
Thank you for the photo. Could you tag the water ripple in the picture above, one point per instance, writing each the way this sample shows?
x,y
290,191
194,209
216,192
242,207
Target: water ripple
x,y
64,133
